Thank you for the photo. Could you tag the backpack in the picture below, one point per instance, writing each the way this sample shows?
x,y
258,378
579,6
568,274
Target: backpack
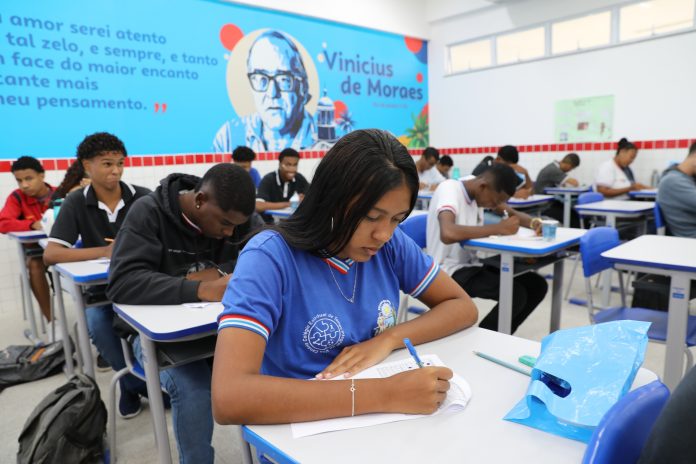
x,y
67,426
24,363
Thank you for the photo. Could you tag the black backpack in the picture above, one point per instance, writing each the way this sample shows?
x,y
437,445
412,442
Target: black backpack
x,y
24,363
67,426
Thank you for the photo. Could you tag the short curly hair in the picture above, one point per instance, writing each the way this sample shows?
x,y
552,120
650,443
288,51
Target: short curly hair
x,y
232,188
98,143
241,154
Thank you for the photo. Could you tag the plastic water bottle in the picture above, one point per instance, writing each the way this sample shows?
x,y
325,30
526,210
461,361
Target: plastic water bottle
x,y
455,173
294,201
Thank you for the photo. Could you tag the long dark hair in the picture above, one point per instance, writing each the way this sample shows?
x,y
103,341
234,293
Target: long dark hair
x,y
355,173
73,177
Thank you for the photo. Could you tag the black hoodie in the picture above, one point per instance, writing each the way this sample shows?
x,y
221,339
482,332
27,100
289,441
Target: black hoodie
x,y
156,249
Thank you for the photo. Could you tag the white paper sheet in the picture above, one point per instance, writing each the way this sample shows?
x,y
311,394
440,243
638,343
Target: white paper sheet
x,y
457,398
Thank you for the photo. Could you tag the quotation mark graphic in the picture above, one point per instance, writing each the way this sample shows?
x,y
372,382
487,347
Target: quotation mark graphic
x,y
162,105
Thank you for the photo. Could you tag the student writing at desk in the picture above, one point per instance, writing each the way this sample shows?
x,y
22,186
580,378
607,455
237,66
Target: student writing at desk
x,y
95,214
278,187
614,177
456,214
555,174
179,245
317,296
429,176
22,212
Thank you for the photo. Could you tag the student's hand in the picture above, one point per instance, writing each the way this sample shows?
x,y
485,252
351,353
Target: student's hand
x,y
518,168
108,250
356,358
422,186
639,186
419,391
212,290
206,275
571,182
301,195
36,225
508,226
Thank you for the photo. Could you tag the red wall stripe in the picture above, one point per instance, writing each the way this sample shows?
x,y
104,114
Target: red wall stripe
x,y
61,164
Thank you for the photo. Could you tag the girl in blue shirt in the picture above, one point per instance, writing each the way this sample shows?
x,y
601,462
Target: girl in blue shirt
x,y
316,296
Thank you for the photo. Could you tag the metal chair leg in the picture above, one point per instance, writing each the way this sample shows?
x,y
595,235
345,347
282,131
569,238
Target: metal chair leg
x,y
111,426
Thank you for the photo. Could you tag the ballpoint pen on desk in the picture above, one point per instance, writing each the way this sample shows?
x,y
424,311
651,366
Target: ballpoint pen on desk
x,y
413,352
502,363
220,271
505,214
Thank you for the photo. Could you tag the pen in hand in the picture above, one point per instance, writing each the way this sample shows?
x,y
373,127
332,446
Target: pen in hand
x,y
413,352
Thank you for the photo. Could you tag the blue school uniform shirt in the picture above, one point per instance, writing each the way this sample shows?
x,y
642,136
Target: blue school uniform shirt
x,y
291,298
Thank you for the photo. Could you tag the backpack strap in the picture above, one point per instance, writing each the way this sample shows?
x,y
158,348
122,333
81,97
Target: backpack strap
x,y
17,196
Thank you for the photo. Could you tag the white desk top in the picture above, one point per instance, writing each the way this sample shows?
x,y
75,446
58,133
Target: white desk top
x,y
171,322
478,434
580,189
523,242
648,193
530,201
425,194
677,253
285,212
27,236
85,271
617,206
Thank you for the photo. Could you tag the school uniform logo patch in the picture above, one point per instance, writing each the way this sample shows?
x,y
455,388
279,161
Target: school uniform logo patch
x,y
386,316
323,333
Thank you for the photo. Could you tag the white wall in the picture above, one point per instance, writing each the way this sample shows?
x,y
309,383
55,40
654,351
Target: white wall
x,y
406,17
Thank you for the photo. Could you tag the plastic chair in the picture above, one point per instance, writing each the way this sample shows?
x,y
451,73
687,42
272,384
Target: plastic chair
x,y
659,220
592,245
621,434
414,227
583,199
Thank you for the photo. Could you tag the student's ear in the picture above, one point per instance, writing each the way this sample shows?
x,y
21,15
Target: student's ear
x,y
42,176
200,199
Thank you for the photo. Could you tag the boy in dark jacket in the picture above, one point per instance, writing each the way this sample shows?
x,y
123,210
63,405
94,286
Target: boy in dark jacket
x,y
179,245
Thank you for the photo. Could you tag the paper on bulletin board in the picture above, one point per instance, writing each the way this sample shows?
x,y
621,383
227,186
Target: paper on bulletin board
x,y
589,119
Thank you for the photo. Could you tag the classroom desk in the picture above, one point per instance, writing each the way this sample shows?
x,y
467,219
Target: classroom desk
x,y
611,210
648,194
509,247
674,257
533,204
424,197
567,193
477,434
279,213
79,276
161,324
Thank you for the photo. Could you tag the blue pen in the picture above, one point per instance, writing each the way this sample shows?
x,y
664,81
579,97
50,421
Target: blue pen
x,y
413,352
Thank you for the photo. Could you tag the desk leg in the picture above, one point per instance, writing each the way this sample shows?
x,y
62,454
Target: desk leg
x,y
26,290
567,202
606,275
82,331
556,295
60,305
154,392
244,447
676,329
507,272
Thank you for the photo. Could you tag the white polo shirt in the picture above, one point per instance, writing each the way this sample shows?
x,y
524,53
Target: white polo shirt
x,y
431,176
610,175
451,195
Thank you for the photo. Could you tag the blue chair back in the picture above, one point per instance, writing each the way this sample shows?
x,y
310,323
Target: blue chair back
x,y
593,244
415,227
621,434
589,197
659,220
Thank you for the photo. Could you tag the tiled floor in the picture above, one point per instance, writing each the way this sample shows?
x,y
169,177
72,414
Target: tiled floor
x,y
135,436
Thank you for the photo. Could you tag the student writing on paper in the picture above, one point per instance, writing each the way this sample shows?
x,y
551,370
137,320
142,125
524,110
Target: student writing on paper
x,y
614,178
510,156
95,214
277,187
317,295
456,214
555,174
171,250
428,173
